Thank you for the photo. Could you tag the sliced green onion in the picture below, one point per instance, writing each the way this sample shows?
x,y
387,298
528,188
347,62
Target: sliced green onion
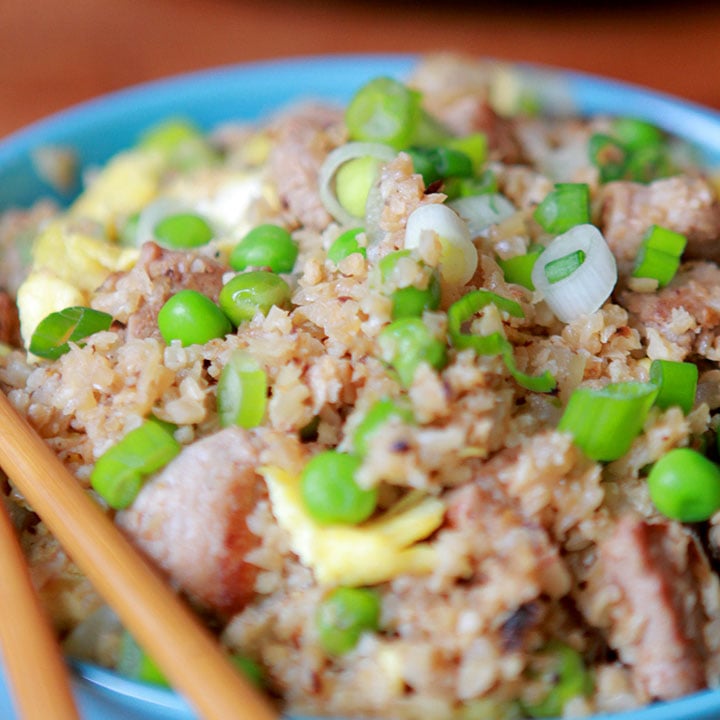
x,y
565,673
242,391
659,254
438,163
563,267
249,668
386,111
53,334
589,286
475,146
345,245
634,133
329,169
119,473
458,256
564,207
649,163
461,311
676,383
485,183
609,156
413,302
134,663
518,269
353,181
605,422
482,211
407,343
685,486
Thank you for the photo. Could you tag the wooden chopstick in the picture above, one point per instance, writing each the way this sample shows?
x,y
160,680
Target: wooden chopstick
x,y
38,677
187,653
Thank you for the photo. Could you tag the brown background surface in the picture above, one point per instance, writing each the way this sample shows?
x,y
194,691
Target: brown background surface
x,y
54,53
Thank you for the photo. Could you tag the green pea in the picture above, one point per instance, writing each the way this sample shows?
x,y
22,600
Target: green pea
x,y
408,342
412,301
265,246
251,292
192,318
345,245
330,492
684,485
344,615
382,411
183,230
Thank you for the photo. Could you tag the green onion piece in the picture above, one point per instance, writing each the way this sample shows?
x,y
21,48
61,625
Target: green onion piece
x,y
634,133
265,246
495,343
609,156
407,343
242,391
119,473
567,676
134,663
344,615
676,383
353,181
387,264
563,267
378,414
249,668
659,254
648,163
413,302
440,162
483,184
685,486
345,245
605,422
54,333
386,111
474,146
330,492
518,269
564,207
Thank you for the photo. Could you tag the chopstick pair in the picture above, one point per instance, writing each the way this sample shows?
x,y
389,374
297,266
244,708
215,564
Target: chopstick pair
x,y
186,652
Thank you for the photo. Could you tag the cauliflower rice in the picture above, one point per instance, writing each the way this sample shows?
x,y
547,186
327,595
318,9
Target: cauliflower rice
x,y
496,543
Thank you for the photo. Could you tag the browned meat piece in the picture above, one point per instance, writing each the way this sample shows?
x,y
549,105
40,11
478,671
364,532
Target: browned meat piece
x,y
135,297
502,143
657,621
687,205
685,314
9,320
191,519
302,141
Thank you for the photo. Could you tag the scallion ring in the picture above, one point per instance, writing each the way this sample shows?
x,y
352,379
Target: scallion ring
x,y
333,162
482,211
585,290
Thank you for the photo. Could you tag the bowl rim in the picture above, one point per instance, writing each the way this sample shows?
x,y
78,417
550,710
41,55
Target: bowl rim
x,y
591,93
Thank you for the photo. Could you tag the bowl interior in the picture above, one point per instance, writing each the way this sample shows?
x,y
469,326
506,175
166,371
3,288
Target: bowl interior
x,y
97,129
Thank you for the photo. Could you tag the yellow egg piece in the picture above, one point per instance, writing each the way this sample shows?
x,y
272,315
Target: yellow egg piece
x,y
79,259
126,184
43,293
366,554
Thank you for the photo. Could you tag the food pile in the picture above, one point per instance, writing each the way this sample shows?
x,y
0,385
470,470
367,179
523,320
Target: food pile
x,y
415,401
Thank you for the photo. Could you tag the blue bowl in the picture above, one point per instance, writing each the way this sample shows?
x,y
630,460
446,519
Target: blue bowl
x,y
99,128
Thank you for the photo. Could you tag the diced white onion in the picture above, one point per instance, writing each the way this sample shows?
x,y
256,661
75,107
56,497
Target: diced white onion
x,y
458,258
482,211
585,290
339,156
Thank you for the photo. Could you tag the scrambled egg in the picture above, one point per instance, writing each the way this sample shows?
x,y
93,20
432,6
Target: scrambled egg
x,y
366,554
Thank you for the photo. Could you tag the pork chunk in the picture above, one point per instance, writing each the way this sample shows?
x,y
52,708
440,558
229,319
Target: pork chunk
x,y
684,204
135,297
656,624
682,318
191,519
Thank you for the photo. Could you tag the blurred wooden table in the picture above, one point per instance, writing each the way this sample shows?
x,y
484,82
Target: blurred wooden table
x,y
54,53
